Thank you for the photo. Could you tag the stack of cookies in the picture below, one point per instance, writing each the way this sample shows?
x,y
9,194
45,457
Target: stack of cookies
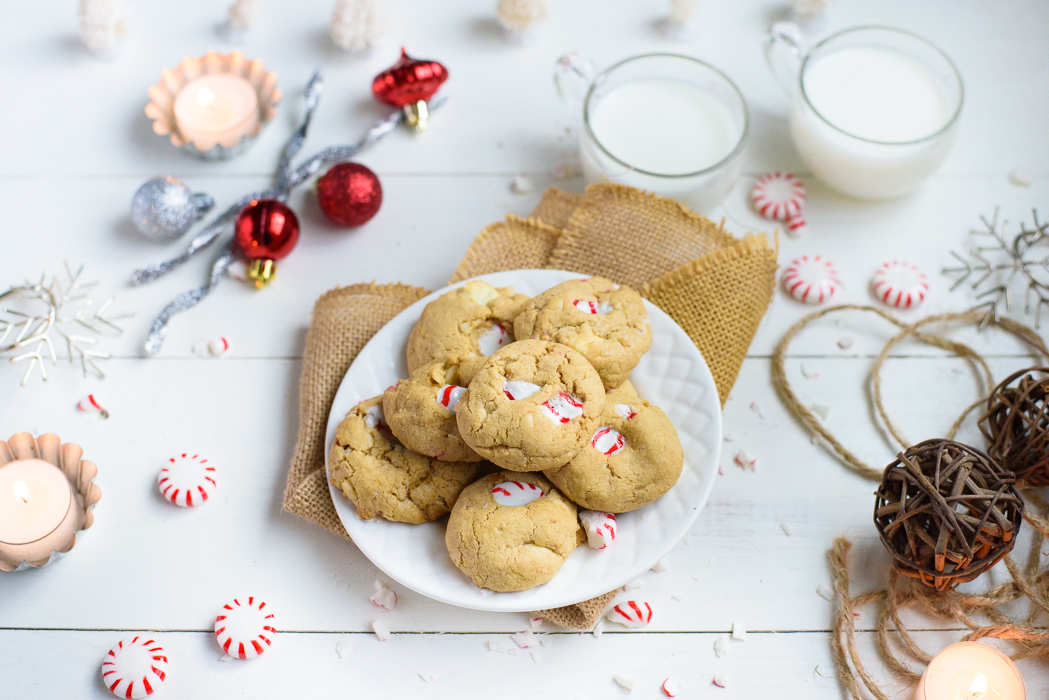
x,y
519,420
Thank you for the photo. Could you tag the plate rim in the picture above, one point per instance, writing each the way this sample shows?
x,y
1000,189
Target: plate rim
x,y
486,602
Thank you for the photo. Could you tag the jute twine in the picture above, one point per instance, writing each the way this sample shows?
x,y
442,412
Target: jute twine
x,y
715,286
980,612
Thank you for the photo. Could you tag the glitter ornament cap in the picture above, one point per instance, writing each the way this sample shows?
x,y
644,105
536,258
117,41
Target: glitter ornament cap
x,y
811,279
163,208
135,668
899,284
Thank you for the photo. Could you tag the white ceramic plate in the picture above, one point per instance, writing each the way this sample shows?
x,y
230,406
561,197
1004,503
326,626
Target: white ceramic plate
x,y
672,375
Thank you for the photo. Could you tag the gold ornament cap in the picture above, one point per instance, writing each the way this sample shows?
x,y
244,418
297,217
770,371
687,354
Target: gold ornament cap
x,y
261,271
417,115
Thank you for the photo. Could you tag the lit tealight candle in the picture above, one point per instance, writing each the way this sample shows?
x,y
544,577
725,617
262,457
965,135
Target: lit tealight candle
x,y
216,109
37,510
971,671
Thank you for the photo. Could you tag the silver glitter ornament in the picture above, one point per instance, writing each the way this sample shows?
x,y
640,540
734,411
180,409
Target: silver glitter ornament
x,y
163,208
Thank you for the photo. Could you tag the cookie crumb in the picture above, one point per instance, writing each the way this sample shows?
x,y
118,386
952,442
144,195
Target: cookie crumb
x,y
787,529
384,597
739,632
524,639
660,566
845,342
824,591
428,677
633,585
225,657
808,373
623,682
1020,177
497,647
522,184
677,597
343,648
381,630
721,645
728,438
821,410
756,407
599,628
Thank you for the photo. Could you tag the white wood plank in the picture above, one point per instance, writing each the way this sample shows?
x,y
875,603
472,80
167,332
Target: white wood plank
x,y
503,115
65,664
243,416
424,228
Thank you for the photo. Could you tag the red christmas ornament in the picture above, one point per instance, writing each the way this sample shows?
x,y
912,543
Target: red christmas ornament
x,y
408,84
349,194
266,231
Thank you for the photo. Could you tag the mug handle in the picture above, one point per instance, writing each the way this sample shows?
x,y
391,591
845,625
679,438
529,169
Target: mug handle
x,y
784,48
573,74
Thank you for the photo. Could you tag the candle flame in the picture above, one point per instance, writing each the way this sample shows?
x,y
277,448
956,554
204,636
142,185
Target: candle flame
x,y
978,688
205,97
21,491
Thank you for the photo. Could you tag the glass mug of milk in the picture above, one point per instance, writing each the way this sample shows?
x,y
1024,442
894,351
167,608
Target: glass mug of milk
x,y
873,109
666,123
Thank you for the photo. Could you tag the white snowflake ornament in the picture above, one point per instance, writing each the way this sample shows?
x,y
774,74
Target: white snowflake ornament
x,y
358,25
521,17
102,22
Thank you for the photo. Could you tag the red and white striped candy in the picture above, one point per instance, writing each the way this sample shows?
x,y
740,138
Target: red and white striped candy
x,y
624,411
600,528
492,339
242,627
449,395
778,196
516,493
187,480
562,408
517,390
135,667
632,613
900,284
90,404
592,307
796,225
608,441
811,280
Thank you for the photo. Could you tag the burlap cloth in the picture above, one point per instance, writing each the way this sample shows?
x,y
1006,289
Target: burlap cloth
x,y
717,287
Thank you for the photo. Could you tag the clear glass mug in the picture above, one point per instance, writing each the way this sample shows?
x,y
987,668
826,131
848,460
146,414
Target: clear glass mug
x,y
862,167
581,88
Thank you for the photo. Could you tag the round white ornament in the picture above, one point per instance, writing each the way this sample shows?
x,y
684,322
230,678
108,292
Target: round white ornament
x,y
135,668
187,480
244,628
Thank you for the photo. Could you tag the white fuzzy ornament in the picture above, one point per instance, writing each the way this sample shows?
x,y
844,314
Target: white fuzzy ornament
x,y
520,17
680,24
241,14
357,25
808,9
102,22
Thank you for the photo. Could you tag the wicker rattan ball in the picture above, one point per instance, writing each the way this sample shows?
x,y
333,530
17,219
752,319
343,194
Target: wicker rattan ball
x,y
1016,425
947,513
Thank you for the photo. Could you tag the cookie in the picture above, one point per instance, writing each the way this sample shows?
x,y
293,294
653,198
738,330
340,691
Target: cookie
x,y
384,479
532,406
512,547
466,325
420,411
605,322
632,458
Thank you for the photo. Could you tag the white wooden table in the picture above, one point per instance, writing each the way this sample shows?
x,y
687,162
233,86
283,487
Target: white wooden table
x,y
75,145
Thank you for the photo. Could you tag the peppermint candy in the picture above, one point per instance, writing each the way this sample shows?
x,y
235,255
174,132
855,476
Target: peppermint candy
x,y
900,284
242,628
492,339
796,225
516,390
607,441
811,280
778,196
592,307
135,668
90,404
600,528
632,613
449,395
562,408
516,493
624,411
187,480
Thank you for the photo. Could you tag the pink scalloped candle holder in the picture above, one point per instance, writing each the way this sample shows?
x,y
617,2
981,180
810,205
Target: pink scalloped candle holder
x,y
85,494
220,146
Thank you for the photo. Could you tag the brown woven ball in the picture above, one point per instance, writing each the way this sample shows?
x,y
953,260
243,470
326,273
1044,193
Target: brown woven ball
x,y
947,513
1016,425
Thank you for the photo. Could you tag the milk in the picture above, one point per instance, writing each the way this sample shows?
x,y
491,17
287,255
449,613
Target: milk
x,y
880,102
664,126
